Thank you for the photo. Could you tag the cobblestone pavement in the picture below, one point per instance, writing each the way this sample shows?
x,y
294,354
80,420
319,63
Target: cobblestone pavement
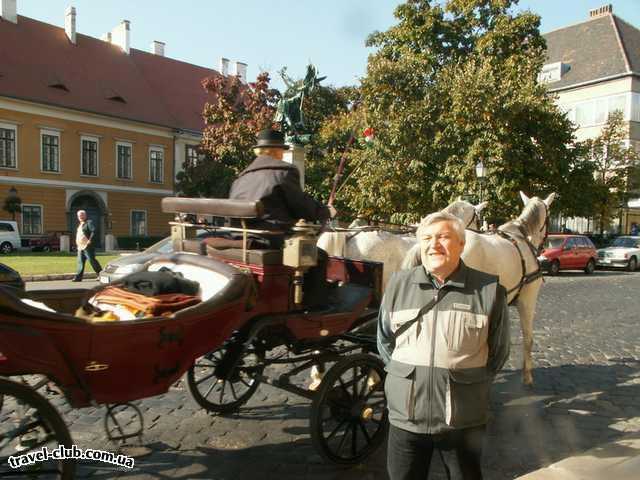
x,y
587,391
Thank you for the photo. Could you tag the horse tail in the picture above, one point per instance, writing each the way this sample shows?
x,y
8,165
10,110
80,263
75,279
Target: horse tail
x,y
412,258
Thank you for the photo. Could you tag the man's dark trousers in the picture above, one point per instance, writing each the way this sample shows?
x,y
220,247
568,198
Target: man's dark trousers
x,y
409,454
88,253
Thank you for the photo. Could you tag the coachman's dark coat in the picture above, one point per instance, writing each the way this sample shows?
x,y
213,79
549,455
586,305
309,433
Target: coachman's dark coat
x,y
277,185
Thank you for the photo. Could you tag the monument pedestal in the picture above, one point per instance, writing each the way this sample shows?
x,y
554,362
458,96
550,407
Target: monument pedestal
x,y
295,156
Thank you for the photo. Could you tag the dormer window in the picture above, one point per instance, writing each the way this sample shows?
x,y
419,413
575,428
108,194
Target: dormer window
x,y
553,72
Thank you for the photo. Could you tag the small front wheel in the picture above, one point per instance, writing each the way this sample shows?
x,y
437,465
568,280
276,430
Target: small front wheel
x,y
349,411
220,392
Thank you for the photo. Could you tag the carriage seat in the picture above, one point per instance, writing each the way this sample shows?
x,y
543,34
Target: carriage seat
x,y
216,207
254,256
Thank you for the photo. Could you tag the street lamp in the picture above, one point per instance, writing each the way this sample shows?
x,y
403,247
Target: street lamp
x,y
481,173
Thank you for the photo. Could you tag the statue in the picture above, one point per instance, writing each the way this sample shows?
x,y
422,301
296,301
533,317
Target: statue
x,y
289,108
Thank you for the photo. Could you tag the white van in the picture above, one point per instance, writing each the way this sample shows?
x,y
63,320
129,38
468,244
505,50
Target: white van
x,y
9,236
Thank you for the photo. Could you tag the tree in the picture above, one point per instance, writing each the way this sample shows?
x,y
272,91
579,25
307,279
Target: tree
x,y
452,83
232,120
616,169
12,203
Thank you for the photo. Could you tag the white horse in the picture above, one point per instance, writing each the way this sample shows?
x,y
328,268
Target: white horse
x,y
511,254
385,247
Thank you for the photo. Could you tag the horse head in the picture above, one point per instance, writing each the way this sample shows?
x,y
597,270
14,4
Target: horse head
x,y
534,218
466,212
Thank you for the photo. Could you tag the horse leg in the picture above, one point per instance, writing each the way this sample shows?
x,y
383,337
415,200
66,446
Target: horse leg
x,y
527,309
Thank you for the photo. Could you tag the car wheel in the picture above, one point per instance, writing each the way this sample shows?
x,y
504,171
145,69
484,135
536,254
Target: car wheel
x,y
590,267
554,268
6,248
633,263
46,248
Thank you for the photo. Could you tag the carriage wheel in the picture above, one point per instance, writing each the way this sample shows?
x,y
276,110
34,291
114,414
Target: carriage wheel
x,y
349,412
28,422
226,393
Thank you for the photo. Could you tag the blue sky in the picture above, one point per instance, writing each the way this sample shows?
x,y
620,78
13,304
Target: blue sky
x,y
268,35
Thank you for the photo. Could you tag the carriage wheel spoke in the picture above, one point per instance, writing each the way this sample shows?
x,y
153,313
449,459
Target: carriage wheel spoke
x,y
364,384
204,379
364,432
335,430
342,442
224,384
233,391
354,439
344,388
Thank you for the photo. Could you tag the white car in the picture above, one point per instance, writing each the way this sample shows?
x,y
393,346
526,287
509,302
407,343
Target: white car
x,y
9,236
624,252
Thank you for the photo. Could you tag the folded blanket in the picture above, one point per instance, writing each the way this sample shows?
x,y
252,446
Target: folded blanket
x,y
156,305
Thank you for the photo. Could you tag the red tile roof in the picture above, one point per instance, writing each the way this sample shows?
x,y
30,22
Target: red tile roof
x,y
155,89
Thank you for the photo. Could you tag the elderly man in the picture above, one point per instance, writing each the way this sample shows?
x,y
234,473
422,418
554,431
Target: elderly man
x,y
443,332
86,248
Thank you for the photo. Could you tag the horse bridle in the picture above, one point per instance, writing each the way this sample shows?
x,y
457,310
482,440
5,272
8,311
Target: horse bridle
x,y
527,277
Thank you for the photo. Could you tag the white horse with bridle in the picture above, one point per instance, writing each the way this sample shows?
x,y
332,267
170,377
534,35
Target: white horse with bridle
x,y
365,243
511,254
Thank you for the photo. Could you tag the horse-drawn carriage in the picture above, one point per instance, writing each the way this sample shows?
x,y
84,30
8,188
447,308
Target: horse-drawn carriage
x,y
249,315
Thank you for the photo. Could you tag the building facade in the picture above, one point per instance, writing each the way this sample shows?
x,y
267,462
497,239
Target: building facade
x,y
593,69
93,124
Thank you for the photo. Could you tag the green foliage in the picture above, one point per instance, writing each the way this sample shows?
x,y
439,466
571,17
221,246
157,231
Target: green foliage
x,y
233,118
450,84
616,168
12,205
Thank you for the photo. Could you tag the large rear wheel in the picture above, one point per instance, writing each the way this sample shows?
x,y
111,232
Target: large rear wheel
x,y
218,388
349,411
28,422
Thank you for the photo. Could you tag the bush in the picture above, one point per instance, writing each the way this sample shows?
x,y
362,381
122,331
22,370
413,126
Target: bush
x,y
601,241
136,243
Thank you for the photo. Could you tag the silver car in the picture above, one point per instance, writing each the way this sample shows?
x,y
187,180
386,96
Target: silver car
x,y
126,264
624,252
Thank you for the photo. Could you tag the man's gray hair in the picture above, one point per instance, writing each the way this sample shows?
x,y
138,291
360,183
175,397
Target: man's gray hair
x,y
81,211
436,217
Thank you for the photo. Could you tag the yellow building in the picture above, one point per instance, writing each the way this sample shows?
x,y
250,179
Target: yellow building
x,y
93,124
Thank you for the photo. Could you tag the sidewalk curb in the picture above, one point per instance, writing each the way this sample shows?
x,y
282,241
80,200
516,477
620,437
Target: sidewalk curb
x,y
56,276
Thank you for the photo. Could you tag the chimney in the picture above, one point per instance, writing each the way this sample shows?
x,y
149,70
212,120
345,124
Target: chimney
x,y
241,71
9,11
120,36
70,23
157,48
601,11
106,37
224,66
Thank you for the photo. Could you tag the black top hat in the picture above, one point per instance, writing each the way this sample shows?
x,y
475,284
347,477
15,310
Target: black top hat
x,y
270,139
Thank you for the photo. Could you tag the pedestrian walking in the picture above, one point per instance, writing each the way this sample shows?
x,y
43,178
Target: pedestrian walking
x,y
85,245
443,333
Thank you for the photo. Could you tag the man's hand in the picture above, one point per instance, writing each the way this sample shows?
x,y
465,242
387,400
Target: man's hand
x,y
332,211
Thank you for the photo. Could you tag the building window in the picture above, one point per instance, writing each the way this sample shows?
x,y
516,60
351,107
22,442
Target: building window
x,y
635,107
50,151
8,146
90,156
138,223
598,111
31,219
123,151
156,165
191,156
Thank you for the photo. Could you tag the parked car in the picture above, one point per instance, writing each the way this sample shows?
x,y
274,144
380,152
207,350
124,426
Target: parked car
x,y
568,252
127,264
9,236
9,277
624,252
47,243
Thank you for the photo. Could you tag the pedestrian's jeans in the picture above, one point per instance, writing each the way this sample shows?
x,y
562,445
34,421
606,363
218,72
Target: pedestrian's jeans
x,y
84,255
409,454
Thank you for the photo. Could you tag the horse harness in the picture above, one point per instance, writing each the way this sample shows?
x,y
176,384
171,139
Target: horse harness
x,y
526,277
